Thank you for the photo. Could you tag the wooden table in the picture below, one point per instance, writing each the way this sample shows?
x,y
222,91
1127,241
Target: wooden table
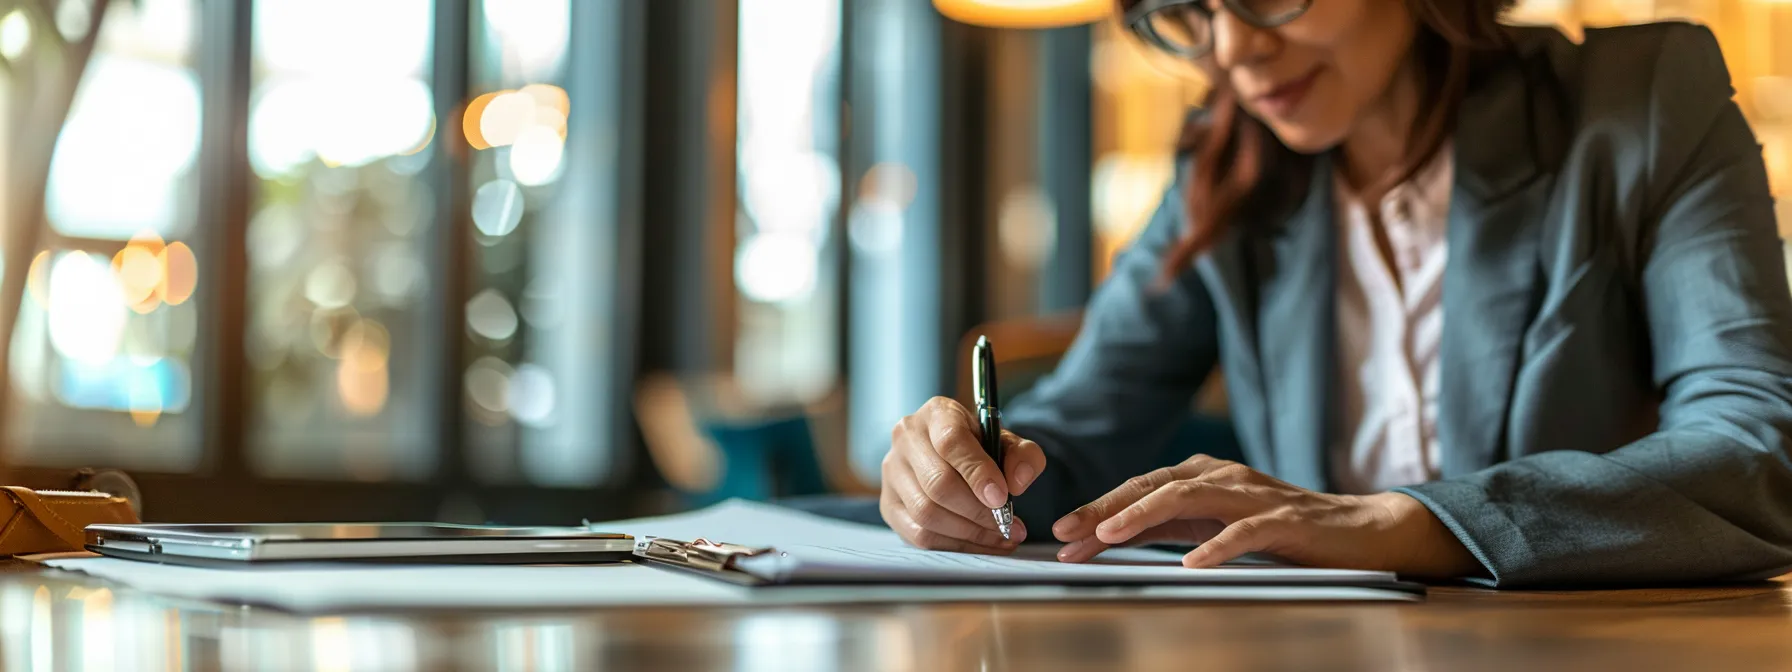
x,y
62,621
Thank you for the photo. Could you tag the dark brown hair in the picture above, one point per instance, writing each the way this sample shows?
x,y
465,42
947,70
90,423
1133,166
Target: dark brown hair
x,y
1231,149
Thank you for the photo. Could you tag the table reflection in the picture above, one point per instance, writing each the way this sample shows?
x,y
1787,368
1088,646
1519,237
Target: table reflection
x,y
68,622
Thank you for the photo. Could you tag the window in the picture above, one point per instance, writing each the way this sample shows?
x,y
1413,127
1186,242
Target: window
x,y
102,357
339,134
788,181
535,325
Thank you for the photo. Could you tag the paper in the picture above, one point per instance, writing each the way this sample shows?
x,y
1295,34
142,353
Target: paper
x,y
754,524
320,588
813,549
817,549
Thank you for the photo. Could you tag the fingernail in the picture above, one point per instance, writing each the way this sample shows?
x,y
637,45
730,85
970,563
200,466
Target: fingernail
x,y
1066,525
1110,526
1023,476
1072,550
992,495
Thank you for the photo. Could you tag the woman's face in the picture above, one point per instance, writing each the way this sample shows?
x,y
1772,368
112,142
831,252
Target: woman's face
x,y
1314,79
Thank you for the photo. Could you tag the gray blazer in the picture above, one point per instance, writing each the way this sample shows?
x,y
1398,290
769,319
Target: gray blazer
x,y
1616,384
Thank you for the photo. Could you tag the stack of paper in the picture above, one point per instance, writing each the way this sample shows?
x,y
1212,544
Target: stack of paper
x,y
825,561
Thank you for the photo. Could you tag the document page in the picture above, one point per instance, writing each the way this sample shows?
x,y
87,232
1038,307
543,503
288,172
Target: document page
x,y
812,549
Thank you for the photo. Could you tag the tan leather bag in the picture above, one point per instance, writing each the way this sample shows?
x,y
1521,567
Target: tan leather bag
x,y
53,521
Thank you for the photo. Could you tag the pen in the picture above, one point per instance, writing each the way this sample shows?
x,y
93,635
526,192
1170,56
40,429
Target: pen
x,y
989,417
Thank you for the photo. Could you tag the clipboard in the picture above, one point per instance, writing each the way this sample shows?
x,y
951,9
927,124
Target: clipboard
x,y
720,561
710,559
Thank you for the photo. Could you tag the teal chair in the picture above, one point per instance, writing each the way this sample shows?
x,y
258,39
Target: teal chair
x,y
763,459
710,447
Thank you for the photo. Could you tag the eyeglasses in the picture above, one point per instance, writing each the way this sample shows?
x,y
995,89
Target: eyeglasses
x,y
1185,27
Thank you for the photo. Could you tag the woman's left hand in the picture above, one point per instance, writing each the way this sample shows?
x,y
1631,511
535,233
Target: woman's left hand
x,y
1230,509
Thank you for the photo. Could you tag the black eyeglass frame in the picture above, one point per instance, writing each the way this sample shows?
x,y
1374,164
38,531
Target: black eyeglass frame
x,y
1138,20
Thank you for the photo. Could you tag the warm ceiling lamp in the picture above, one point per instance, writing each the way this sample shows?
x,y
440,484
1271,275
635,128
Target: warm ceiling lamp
x,y
1025,13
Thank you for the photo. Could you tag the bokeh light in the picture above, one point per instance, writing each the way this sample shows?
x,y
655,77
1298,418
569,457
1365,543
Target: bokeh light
x,y
1127,188
789,190
330,285
180,274
487,383
535,156
86,309
37,278
506,116
890,182
497,207
532,396
773,267
73,20
139,273
15,34
138,266
875,228
472,116
549,100
531,121
490,316
362,377
1027,226
275,236
398,274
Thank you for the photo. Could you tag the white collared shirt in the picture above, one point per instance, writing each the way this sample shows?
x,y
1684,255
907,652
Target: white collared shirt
x,y
1390,316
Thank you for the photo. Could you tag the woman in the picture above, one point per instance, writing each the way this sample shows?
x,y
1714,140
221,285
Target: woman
x,y
1489,304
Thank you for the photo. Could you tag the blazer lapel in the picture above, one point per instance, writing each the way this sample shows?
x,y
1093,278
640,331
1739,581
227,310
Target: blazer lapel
x,y
1296,269
1491,280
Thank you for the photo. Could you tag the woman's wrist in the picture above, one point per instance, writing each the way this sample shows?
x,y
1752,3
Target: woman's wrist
x,y
1423,546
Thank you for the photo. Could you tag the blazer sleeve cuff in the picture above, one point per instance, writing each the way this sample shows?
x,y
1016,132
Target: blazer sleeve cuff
x,y
1494,540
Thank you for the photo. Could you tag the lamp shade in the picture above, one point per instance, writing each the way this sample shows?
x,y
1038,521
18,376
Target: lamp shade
x,y
1025,13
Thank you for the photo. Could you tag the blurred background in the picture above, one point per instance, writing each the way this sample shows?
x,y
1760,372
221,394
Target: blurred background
x,y
542,260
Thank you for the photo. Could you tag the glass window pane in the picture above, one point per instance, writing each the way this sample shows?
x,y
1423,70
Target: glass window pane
x,y
102,356
535,347
341,114
788,177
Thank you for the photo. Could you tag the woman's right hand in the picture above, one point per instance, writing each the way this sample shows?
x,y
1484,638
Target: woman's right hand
x,y
939,485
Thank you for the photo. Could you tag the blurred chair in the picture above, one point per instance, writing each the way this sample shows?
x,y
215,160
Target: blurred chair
x,y
711,443
1025,349
1028,349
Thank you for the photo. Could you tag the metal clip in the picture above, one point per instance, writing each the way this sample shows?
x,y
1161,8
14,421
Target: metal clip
x,y
700,554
